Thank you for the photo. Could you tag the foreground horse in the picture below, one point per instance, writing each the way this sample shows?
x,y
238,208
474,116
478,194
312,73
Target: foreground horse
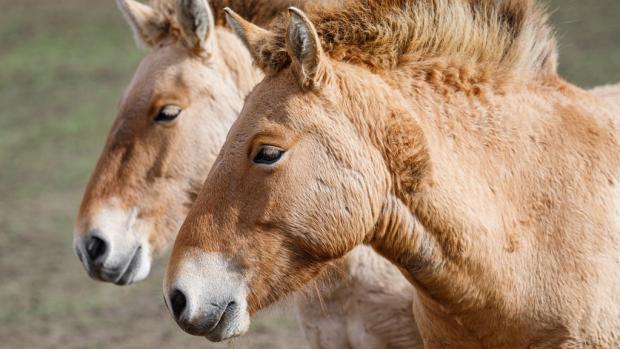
x,y
439,133
173,119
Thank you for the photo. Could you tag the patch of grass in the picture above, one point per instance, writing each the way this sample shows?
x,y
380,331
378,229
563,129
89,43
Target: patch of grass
x,y
588,39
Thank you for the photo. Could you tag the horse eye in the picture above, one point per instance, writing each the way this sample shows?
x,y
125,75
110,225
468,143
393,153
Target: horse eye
x,y
168,114
268,155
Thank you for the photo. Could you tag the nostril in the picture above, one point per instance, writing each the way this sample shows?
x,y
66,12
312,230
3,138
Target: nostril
x,y
95,248
177,303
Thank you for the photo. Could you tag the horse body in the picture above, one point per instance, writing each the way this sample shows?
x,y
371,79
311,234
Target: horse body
x,y
384,303
460,156
518,215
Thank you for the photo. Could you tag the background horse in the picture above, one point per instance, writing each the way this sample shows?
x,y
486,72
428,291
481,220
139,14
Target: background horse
x,y
446,141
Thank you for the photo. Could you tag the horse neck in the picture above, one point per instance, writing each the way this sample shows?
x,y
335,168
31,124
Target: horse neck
x,y
436,141
391,121
478,175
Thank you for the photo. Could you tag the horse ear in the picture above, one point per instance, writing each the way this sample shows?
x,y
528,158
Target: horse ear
x,y
305,49
197,23
253,37
147,25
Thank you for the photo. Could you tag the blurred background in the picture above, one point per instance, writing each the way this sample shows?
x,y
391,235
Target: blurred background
x,y
63,67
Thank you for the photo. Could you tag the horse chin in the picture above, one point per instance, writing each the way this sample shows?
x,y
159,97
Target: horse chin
x,y
232,325
137,269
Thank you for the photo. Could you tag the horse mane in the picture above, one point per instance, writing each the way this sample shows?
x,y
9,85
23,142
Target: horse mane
x,y
505,35
261,12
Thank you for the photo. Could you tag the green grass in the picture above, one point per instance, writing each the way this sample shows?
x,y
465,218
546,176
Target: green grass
x,y
63,67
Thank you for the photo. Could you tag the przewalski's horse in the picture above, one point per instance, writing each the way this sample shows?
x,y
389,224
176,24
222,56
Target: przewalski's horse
x,y
439,133
173,119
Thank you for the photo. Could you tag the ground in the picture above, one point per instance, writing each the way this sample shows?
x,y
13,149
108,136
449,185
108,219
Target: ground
x,y
63,67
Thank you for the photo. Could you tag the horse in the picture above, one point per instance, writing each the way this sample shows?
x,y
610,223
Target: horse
x,y
173,119
439,133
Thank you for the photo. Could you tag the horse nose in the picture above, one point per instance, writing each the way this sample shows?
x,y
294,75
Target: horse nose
x,y
96,248
198,320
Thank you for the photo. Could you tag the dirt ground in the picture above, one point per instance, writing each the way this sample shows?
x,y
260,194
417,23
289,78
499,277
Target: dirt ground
x,y
63,66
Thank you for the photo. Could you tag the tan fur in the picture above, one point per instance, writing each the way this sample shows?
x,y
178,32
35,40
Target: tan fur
x,y
496,194
159,169
366,303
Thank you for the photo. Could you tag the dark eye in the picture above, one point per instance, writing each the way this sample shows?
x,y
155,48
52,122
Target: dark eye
x,y
268,155
168,114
